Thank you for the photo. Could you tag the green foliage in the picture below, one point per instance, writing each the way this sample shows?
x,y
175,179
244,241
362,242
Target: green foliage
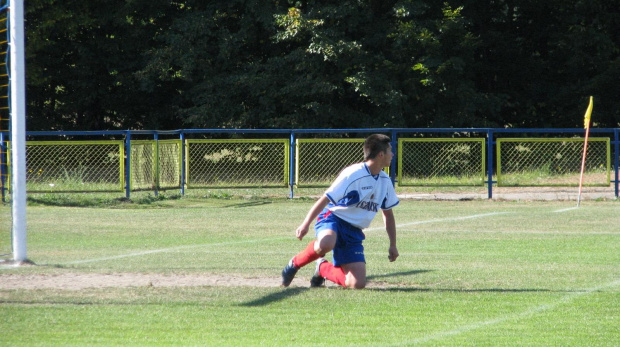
x,y
118,64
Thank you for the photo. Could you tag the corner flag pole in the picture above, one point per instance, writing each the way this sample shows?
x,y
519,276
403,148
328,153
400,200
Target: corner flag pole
x,y
586,125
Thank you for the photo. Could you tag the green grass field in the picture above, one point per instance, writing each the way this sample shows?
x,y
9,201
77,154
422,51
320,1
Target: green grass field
x,y
470,273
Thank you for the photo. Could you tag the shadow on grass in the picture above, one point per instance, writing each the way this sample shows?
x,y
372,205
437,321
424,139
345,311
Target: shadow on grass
x,y
274,297
290,292
64,202
396,288
247,204
73,199
397,274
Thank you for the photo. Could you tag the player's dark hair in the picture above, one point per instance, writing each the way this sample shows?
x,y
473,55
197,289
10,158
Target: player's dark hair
x,y
375,144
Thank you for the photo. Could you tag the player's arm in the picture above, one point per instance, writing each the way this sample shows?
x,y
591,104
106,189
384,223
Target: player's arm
x,y
390,227
312,214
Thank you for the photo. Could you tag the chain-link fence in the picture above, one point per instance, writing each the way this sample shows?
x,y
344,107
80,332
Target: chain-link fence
x,y
74,166
443,159
552,162
5,210
5,229
318,161
4,169
170,163
155,164
237,163
6,219
436,162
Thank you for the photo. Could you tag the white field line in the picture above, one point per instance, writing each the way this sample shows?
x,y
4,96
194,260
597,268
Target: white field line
x,y
533,311
566,209
538,232
172,249
180,248
452,219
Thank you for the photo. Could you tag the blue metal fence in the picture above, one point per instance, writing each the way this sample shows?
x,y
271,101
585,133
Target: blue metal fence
x,y
491,134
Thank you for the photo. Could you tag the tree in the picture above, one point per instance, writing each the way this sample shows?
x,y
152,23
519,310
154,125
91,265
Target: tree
x,y
239,65
544,59
81,58
157,64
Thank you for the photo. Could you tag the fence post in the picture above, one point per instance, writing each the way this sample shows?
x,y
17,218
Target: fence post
x,y
490,144
156,163
616,157
291,171
127,164
183,164
3,164
395,159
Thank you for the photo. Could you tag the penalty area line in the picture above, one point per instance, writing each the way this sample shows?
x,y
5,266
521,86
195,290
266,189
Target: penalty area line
x,y
533,311
171,249
452,219
566,209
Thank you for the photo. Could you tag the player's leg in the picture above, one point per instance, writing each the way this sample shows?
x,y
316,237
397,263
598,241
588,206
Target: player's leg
x,y
355,275
325,242
349,267
352,275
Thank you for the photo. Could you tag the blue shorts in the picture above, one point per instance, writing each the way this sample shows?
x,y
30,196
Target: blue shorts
x,y
349,248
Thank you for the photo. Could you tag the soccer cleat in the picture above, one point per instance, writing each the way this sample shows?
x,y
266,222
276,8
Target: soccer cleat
x,y
289,273
317,280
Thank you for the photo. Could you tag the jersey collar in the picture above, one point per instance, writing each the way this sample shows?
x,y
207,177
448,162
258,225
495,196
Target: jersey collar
x,y
376,177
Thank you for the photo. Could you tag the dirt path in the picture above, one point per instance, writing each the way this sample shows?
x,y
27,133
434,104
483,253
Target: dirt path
x,y
79,281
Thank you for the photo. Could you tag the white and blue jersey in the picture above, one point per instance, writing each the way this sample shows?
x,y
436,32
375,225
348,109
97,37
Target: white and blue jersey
x,y
356,195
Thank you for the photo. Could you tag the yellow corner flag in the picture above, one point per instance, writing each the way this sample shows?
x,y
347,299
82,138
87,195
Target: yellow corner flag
x,y
586,118
586,125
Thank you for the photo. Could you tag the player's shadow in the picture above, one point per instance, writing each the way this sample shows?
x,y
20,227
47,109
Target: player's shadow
x,y
275,297
397,274
460,290
290,292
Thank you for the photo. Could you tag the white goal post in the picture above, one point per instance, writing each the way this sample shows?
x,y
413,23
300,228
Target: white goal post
x,y
18,127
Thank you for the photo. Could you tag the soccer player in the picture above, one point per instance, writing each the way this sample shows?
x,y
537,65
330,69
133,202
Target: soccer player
x,y
347,207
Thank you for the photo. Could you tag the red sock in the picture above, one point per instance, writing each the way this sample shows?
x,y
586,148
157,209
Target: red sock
x,y
333,273
306,256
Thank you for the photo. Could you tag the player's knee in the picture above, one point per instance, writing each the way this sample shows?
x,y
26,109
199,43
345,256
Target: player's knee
x,y
359,286
320,252
354,283
321,249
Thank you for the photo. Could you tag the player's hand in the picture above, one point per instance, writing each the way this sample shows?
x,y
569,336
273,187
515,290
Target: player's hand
x,y
301,232
393,253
